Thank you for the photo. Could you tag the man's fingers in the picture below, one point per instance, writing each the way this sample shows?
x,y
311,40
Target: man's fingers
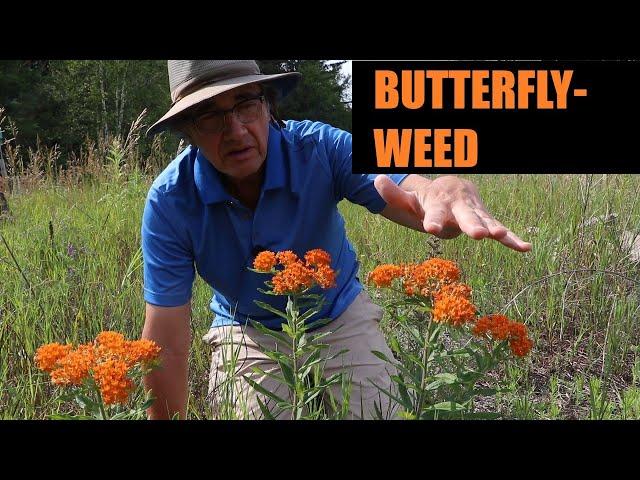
x,y
469,221
396,196
511,240
496,229
434,220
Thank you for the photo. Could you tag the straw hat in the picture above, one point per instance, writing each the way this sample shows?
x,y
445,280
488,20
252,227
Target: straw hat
x,y
194,81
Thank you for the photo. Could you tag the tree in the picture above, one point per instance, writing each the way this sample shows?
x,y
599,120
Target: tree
x,y
318,96
102,98
27,100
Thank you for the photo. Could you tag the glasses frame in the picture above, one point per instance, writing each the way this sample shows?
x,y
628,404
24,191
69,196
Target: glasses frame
x,y
232,110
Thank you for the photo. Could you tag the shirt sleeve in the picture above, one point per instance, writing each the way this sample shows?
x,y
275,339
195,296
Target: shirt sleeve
x,y
355,187
168,262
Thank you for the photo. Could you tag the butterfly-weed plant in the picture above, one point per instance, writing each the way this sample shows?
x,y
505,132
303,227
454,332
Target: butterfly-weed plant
x,y
102,375
302,358
451,350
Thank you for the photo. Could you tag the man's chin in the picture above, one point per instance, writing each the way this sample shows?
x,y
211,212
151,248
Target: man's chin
x,y
245,172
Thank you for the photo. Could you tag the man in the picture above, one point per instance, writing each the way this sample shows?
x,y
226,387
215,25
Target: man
x,y
249,182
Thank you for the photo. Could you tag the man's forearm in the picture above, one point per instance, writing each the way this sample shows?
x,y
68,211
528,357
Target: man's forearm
x,y
169,384
400,216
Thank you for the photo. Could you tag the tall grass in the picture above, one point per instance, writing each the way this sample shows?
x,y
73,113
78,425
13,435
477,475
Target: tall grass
x,y
577,290
70,266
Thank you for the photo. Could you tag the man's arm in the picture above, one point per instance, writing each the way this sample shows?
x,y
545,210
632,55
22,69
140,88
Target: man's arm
x,y
405,215
444,207
169,328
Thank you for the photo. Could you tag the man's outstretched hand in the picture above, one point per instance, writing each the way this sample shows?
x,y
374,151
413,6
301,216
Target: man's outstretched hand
x,y
447,207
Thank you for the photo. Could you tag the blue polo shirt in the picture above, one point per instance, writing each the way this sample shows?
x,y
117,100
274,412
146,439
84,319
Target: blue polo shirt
x,y
190,223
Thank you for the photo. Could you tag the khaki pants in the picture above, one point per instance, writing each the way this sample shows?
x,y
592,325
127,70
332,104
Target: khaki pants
x,y
356,330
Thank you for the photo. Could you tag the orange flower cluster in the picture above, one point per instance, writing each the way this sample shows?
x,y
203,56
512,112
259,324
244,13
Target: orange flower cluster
x,y
48,355
265,261
437,280
287,257
452,309
454,290
296,275
111,376
424,278
317,257
383,275
500,327
108,359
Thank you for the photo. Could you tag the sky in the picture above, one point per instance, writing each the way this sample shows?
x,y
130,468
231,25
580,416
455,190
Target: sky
x,y
346,68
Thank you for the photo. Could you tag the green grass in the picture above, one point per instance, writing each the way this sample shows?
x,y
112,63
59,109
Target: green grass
x,y
77,271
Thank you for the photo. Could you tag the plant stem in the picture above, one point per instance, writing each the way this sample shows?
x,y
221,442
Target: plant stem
x,y
100,402
294,348
425,369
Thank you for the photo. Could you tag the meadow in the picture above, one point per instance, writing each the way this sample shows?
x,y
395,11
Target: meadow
x,y
71,266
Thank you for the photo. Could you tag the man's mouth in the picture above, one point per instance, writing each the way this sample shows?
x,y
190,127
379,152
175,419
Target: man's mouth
x,y
239,152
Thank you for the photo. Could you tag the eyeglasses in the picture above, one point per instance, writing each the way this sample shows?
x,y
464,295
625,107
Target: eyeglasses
x,y
246,111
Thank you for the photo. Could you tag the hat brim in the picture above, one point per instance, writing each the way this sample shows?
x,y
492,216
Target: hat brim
x,y
283,83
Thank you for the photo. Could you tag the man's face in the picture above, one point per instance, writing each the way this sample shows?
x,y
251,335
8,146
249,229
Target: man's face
x,y
239,149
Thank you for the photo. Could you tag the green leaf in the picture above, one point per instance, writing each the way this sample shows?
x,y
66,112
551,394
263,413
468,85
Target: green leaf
x,y
404,370
336,355
271,333
287,372
265,411
271,309
291,312
307,315
395,345
406,415
382,356
320,323
434,385
287,329
275,355
147,404
316,337
417,337
85,402
391,395
446,406
404,393
268,292
66,416
447,378
259,388
276,377
414,358
460,352
312,396
433,338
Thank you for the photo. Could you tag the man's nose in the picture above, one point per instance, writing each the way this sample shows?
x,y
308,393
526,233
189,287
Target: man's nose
x,y
232,125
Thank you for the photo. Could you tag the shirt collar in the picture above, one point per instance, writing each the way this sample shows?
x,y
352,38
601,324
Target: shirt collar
x,y
209,182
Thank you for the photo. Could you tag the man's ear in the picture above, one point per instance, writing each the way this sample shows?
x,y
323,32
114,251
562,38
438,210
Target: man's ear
x,y
277,123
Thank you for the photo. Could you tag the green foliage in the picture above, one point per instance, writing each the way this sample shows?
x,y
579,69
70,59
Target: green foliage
x,y
26,93
64,102
301,361
87,277
319,95
88,398
441,376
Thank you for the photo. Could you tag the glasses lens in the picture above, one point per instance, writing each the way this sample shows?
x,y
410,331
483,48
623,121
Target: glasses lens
x,y
248,110
210,122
